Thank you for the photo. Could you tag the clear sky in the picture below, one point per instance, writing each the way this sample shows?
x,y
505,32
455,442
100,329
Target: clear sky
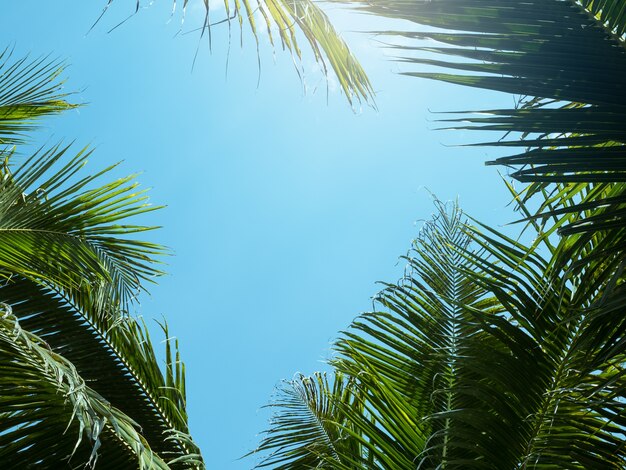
x,y
284,208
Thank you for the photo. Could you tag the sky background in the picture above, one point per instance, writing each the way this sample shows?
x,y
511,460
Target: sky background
x,y
285,206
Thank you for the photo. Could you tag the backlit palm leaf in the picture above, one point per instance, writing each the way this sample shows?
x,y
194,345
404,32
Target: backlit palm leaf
x,y
291,21
28,90
57,230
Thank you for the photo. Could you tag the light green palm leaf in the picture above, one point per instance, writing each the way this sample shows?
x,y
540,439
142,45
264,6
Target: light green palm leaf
x,y
28,91
290,22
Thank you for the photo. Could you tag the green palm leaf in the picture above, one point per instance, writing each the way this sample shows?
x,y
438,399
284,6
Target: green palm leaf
x,y
289,21
562,322
51,418
488,355
309,428
566,60
71,271
28,91
116,358
68,234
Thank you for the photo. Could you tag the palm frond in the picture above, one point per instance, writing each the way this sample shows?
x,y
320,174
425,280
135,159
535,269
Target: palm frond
x,y
487,356
309,429
29,89
565,59
51,418
67,233
560,322
70,274
427,347
610,12
292,21
116,358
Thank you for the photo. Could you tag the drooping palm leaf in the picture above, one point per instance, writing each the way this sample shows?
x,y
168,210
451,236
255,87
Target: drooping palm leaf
x,y
28,91
71,271
566,59
50,417
291,21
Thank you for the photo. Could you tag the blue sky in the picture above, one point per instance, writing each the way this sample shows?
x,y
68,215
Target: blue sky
x,y
284,208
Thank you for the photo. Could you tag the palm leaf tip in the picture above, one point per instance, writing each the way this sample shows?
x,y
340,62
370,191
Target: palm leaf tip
x,y
290,22
60,230
31,89
307,428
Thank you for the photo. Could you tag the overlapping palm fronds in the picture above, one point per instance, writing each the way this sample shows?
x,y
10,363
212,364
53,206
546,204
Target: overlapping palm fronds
x,y
484,356
81,384
566,60
290,22
67,233
71,272
49,415
398,365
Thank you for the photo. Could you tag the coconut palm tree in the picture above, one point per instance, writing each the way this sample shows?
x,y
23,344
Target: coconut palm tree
x,y
489,353
80,381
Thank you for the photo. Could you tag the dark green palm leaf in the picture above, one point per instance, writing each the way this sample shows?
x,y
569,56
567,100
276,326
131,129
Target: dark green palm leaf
x,y
116,359
51,418
565,59
561,322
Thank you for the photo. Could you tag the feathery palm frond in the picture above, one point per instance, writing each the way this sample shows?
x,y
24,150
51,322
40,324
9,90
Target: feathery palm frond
x,y
561,323
28,91
402,361
70,274
290,20
309,429
116,358
412,346
484,356
50,417
68,234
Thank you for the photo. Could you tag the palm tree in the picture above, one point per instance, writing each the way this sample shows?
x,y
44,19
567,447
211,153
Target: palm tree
x,y
80,382
489,353
565,60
